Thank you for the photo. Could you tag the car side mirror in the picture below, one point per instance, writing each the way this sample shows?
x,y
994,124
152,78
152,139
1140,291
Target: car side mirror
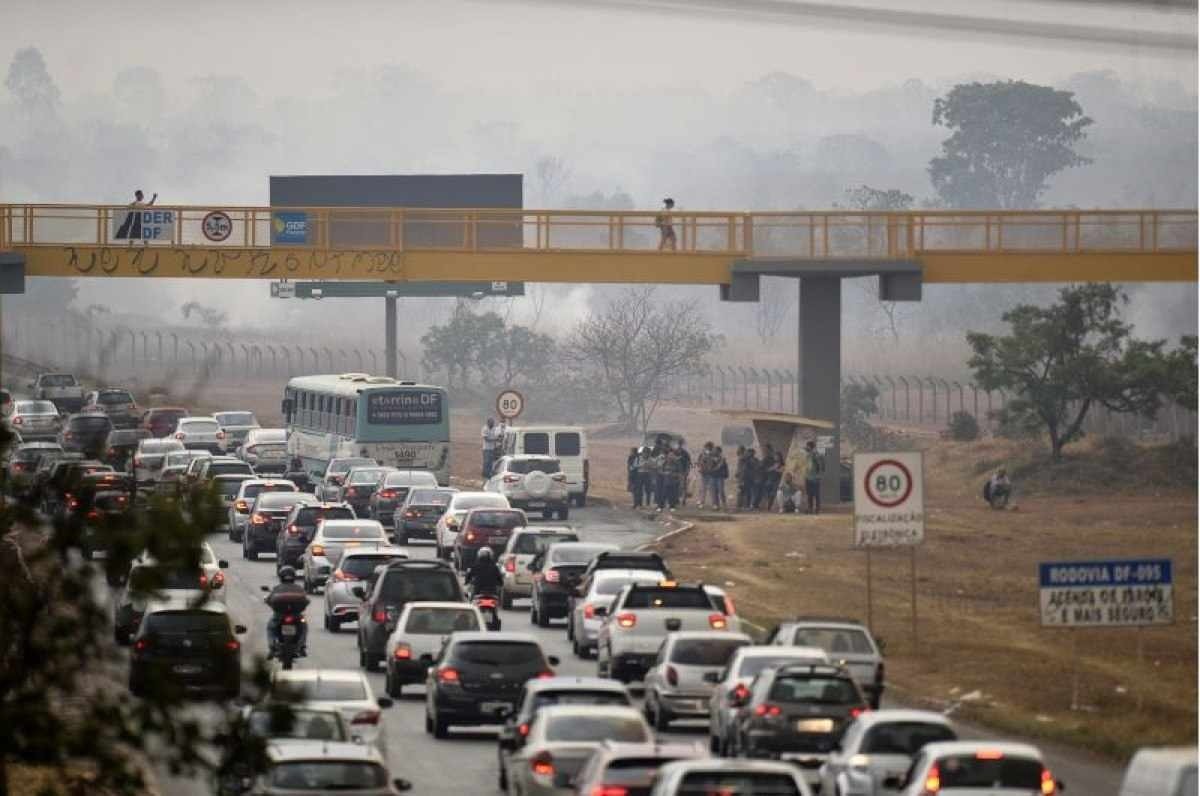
x,y
384,702
359,592
712,677
239,629
553,660
222,564
402,785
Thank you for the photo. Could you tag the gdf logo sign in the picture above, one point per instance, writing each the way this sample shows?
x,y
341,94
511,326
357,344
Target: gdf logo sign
x,y
889,499
216,226
888,483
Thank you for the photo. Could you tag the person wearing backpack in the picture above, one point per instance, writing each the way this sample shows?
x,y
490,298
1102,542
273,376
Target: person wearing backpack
x,y
815,462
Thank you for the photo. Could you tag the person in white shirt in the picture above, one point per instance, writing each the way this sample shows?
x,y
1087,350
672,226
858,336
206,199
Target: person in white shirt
x,y
491,434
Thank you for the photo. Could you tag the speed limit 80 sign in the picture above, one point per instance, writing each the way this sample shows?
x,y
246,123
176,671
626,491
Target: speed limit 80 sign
x,y
889,499
510,404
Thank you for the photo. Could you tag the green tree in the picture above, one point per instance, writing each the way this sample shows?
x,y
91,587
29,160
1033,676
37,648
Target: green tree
x,y
1181,373
517,355
864,197
1060,361
859,402
30,83
1008,139
462,345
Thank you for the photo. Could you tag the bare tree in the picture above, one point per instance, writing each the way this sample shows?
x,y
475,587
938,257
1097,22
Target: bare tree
x,y
638,345
772,310
552,176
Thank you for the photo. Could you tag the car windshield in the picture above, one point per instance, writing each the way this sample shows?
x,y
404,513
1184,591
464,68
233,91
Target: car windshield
x,y
58,380
292,722
366,476
705,651
91,422
277,499
222,468
410,586
834,640
582,728
197,622
574,554
441,621
904,737
533,543
323,775
990,772
411,478
227,487
115,397
126,436
35,408
351,531
637,771
236,419
496,519
814,688
468,502
362,566
199,426
179,458
498,653
269,436
160,445
253,490
346,465
753,664
737,783
534,465
165,415
430,497
310,514
148,578
578,697
614,585
652,597
321,690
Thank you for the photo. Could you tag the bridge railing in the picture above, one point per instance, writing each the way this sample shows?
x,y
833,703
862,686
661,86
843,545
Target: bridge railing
x,y
814,235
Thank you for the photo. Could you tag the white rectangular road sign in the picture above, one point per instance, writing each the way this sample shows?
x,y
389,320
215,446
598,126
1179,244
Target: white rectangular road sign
x,y
1119,593
889,499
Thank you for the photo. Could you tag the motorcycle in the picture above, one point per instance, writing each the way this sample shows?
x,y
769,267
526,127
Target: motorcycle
x,y
488,605
287,648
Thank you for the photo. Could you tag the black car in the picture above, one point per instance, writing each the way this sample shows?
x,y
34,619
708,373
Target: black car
x,y
24,462
120,446
386,593
300,525
86,434
360,485
65,474
267,517
627,559
418,515
556,572
478,678
797,710
193,649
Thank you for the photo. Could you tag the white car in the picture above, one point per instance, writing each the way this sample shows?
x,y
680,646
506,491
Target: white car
x,y
148,458
265,449
203,433
523,545
1161,771
248,490
878,745
589,610
675,685
733,684
687,777
296,767
451,520
966,768
420,633
345,690
332,538
531,483
235,424
173,587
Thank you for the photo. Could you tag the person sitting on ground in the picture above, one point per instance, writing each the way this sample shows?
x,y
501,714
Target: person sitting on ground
x,y
998,489
788,496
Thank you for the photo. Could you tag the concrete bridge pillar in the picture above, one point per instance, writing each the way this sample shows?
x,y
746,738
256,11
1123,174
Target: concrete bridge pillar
x,y
820,367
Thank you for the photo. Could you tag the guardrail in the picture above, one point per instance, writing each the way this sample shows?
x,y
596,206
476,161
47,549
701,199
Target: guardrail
x,y
817,235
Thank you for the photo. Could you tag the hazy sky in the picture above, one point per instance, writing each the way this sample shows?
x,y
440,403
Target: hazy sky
x,y
300,47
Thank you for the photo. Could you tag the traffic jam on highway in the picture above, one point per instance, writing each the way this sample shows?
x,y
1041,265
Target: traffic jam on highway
x,y
565,661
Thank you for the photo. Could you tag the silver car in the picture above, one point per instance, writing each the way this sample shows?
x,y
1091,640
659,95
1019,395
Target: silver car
x,y
203,433
686,777
148,458
345,690
846,642
355,566
265,449
235,425
878,745
35,420
420,633
588,612
675,684
227,487
332,539
523,545
305,767
561,740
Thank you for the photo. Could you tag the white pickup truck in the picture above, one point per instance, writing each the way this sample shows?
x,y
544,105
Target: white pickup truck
x,y
641,617
62,389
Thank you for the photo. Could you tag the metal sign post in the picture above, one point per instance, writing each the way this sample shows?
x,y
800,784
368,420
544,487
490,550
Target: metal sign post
x,y
870,606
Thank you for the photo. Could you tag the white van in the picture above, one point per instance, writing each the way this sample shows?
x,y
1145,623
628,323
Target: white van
x,y
568,444
1167,771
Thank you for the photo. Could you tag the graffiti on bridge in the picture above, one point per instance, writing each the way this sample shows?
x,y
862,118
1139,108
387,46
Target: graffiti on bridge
x,y
191,261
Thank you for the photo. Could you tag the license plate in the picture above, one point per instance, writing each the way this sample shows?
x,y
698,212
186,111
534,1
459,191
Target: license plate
x,y
814,725
288,630
492,707
186,668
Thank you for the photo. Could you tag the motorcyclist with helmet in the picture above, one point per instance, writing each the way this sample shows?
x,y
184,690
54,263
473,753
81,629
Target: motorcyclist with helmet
x,y
287,597
484,576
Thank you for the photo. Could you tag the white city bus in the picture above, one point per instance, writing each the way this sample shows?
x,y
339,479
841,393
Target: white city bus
x,y
397,423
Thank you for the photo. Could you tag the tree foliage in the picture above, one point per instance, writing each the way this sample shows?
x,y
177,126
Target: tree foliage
x,y
482,347
859,402
30,83
1060,361
638,345
1008,139
864,197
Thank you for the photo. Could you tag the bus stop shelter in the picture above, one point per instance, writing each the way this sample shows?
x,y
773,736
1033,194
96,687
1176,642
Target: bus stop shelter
x,y
787,434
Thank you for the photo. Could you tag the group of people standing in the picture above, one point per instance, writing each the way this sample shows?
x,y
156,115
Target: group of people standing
x,y
658,476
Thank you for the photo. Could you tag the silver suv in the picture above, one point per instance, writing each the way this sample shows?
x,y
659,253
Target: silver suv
x,y
531,482
846,641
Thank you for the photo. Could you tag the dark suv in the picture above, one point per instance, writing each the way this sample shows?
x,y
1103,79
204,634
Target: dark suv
x,y
300,525
190,648
120,445
86,434
485,528
418,515
797,709
360,484
388,591
267,518
556,572
478,678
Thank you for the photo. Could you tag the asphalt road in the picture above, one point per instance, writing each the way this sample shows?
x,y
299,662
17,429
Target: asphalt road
x,y
466,762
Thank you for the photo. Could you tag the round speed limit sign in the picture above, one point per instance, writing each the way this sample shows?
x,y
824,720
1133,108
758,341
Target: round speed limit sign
x,y
888,483
510,404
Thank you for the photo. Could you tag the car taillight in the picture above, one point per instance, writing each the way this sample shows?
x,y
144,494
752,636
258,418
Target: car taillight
x,y
626,620
740,693
487,602
510,564
241,506
366,717
672,676
258,519
387,494
933,781
232,645
379,615
989,754
552,576
403,652
609,790
93,515
141,645
411,515
542,765
717,621
317,550
512,479
856,712
767,711
589,611
73,503
1049,786
447,674
180,435
472,536
203,580
546,675
523,729
18,421
293,530
343,576
218,579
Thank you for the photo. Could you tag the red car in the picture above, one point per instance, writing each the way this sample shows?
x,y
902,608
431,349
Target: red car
x,y
485,528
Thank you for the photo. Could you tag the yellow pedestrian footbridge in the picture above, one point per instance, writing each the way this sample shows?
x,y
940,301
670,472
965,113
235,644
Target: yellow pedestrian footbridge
x,y
409,244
